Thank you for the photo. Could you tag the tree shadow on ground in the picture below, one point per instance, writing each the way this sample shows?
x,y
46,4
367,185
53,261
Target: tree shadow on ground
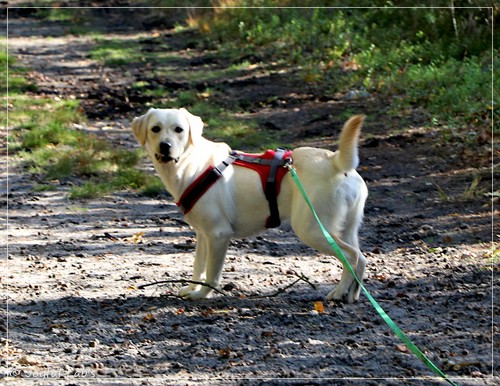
x,y
234,336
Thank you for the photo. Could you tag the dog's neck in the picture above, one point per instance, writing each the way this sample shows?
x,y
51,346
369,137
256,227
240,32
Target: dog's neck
x,y
177,176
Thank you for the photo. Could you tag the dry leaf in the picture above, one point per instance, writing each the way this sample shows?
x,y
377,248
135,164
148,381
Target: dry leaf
x,y
28,361
136,238
319,307
225,352
150,318
57,325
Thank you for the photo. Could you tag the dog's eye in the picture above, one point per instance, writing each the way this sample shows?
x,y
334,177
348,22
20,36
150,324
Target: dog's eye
x,y
179,129
156,129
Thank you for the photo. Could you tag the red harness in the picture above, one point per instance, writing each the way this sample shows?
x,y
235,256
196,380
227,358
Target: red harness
x,y
270,166
262,164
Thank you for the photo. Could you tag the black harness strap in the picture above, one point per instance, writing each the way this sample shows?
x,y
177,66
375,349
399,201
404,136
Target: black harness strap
x,y
253,160
273,220
202,184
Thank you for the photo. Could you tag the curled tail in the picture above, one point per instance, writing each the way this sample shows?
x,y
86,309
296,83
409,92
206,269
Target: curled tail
x,y
346,158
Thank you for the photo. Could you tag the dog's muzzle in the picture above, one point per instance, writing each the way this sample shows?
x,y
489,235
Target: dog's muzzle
x,y
164,155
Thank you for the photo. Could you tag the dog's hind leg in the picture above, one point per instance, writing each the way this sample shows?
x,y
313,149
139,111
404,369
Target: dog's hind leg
x,y
347,289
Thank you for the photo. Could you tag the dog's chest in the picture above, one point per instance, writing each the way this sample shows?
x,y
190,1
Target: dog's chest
x,y
271,167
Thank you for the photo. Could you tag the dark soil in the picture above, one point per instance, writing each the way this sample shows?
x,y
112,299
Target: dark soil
x,y
73,310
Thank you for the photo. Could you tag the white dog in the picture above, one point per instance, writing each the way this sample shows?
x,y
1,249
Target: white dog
x,y
235,206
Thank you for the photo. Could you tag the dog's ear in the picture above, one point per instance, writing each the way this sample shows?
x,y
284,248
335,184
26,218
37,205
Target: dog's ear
x,y
139,126
195,126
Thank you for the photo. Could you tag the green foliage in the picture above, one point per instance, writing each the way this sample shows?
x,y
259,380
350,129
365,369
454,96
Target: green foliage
x,y
437,58
153,187
113,52
58,154
16,80
47,134
224,125
125,178
453,90
50,146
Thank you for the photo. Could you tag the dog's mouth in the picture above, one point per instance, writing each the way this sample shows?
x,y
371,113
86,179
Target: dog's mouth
x,y
165,159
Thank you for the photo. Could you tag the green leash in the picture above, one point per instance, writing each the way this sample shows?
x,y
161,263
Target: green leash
x,y
414,349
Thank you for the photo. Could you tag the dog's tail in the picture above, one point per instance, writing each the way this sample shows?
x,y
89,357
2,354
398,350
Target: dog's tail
x,y
346,158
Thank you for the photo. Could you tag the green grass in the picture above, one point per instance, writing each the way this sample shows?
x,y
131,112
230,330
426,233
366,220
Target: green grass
x,y
138,50
57,152
223,124
418,57
113,52
45,134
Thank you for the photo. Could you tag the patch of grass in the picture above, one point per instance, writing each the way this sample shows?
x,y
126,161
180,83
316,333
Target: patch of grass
x,y
45,187
153,187
188,98
121,52
44,134
129,178
96,167
113,52
57,151
225,125
453,91
17,82
237,133
89,190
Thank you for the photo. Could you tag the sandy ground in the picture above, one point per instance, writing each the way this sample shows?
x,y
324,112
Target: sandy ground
x,y
74,313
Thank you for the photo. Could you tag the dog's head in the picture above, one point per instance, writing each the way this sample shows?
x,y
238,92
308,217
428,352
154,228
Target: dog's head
x,y
167,133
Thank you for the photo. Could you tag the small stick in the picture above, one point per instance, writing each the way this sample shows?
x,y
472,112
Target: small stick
x,y
300,277
182,281
280,291
304,278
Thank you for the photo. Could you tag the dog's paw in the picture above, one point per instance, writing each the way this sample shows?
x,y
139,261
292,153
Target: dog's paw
x,y
335,295
188,293
346,295
185,291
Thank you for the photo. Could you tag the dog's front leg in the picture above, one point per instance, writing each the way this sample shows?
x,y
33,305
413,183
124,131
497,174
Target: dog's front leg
x,y
199,266
214,250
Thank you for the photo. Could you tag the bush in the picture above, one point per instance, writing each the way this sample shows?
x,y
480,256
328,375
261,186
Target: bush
x,y
437,58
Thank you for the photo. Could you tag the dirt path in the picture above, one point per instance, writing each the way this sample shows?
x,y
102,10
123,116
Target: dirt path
x,y
73,268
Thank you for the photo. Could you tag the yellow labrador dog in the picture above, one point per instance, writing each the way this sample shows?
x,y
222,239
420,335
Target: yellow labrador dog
x,y
236,206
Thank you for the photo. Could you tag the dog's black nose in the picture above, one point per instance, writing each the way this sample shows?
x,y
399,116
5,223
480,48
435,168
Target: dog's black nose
x,y
165,148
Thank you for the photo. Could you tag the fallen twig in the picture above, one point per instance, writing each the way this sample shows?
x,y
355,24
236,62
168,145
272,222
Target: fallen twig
x,y
182,281
300,277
